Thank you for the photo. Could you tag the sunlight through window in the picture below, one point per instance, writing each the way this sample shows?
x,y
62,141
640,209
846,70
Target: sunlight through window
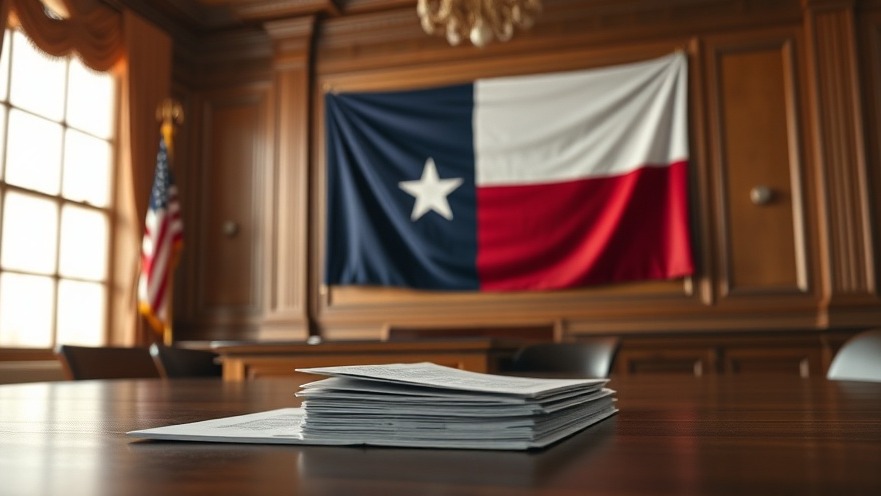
x,y
57,150
30,225
83,244
26,316
38,81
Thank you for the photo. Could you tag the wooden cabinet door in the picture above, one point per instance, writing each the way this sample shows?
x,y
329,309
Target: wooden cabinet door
x,y
801,361
667,360
224,299
758,172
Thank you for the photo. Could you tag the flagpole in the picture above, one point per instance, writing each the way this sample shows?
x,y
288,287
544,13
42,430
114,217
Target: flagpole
x,y
169,113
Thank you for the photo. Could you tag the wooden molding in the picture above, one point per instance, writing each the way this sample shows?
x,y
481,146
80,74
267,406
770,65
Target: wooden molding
x,y
839,147
287,186
262,10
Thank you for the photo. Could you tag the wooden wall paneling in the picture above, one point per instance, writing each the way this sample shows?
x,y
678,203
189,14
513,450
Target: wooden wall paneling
x,y
269,10
187,177
801,353
758,163
286,275
668,359
549,331
804,353
789,360
762,246
870,64
393,38
701,203
851,296
228,235
187,168
222,79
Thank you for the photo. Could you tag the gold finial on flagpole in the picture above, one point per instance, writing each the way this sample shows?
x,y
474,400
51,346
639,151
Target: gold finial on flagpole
x,y
169,113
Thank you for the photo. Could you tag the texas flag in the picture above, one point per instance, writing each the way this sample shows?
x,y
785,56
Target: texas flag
x,y
509,184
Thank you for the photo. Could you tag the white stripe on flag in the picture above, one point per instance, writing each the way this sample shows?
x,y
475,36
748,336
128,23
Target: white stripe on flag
x,y
593,123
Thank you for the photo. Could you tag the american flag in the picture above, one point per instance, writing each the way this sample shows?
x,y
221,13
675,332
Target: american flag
x,y
163,239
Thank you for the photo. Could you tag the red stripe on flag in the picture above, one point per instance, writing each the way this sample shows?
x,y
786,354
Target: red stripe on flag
x,y
591,231
157,281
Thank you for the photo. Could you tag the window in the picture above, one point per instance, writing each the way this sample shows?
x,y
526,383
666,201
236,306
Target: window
x,y
57,147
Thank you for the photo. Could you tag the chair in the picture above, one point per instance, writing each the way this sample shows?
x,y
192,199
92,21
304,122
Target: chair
x,y
185,362
859,359
83,362
589,358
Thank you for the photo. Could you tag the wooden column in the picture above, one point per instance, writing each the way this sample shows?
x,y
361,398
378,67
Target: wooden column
x,y
286,315
840,158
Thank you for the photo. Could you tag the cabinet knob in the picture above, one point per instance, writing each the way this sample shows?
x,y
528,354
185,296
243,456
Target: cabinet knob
x,y
230,229
761,195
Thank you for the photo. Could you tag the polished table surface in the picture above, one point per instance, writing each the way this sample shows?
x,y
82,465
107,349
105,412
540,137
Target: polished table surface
x,y
676,435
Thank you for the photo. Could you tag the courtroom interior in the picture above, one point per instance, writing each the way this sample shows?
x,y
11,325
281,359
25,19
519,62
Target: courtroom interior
x,y
624,247
783,204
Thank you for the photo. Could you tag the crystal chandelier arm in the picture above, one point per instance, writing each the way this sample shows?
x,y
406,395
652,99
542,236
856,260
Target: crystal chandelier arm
x,y
500,17
479,20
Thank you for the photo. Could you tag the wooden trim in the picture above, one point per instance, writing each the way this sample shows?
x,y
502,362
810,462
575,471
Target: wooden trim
x,y
839,148
26,354
547,331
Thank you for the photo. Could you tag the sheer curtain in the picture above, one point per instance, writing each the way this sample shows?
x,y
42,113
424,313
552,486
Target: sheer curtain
x,y
107,39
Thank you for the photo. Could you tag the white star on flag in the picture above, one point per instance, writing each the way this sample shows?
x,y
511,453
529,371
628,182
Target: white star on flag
x,y
430,192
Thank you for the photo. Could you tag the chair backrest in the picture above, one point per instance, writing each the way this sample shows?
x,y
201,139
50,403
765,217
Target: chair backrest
x,y
859,359
185,362
588,358
84,362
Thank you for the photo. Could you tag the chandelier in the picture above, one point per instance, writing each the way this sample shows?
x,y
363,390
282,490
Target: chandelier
x,y
478,20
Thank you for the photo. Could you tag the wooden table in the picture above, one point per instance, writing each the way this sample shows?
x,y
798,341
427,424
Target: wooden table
x,y
243,361
673,436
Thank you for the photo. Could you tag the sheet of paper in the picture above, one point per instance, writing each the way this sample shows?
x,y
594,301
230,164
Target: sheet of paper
x,y
380,405
438,376
283,426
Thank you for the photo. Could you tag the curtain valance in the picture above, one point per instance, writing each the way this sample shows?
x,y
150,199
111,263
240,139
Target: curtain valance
x,y
89,28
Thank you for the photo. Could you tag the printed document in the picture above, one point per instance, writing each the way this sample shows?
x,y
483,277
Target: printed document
x,y
415,405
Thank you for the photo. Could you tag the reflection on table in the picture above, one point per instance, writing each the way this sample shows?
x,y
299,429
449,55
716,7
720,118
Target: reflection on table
x,y
718,435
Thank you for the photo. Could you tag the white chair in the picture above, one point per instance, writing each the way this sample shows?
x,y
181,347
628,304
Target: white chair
x,y
859,359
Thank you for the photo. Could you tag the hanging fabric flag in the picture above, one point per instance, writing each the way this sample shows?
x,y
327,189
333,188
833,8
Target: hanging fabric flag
x,y
520,183
163,240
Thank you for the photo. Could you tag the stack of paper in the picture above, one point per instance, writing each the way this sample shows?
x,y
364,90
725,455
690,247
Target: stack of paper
x,y
416,405
428,405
